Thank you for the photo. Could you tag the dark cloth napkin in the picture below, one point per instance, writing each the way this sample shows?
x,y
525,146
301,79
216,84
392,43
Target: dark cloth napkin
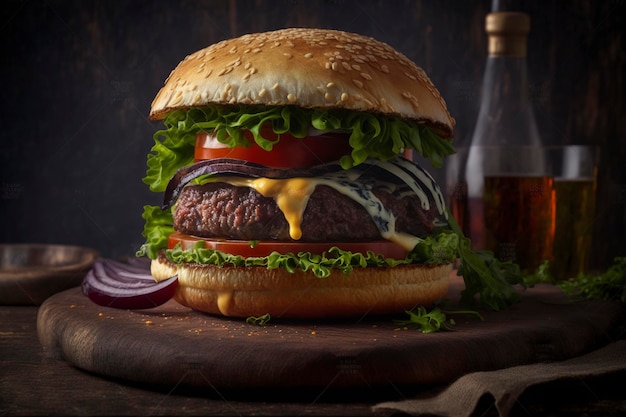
x,y
506,385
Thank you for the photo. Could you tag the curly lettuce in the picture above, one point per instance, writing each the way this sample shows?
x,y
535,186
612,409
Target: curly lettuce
x,y
371,136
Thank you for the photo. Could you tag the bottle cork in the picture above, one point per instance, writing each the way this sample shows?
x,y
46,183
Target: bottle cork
x,y
508,33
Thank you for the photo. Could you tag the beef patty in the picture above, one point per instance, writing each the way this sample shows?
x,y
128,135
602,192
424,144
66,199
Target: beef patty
x,y
221,210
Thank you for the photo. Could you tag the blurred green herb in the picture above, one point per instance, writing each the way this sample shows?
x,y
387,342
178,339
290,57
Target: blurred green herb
x,y
433,321
259,321
541,276
609,285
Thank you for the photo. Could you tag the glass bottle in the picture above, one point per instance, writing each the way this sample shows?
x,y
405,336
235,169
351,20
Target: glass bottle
x,y
504,198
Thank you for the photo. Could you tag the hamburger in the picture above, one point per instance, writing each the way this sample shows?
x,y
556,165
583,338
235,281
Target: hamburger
x,y
288,182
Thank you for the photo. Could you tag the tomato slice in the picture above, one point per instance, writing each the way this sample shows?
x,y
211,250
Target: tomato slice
x,y
263,248
288,152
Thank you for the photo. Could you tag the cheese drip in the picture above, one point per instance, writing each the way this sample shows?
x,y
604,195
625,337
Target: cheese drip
x,y
292,196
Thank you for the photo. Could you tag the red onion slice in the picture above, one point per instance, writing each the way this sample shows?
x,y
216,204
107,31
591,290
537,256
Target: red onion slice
x,y
236,167
121,285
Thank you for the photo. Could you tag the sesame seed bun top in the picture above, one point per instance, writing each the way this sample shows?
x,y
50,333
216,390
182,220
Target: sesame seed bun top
x,y
310,68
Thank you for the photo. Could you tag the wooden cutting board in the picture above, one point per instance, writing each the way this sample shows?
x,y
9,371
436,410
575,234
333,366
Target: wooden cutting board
x,y
174,345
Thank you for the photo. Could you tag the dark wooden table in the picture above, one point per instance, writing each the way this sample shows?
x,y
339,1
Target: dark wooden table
x,y
32,383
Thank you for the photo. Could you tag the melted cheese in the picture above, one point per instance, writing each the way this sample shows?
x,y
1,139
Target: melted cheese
x,y
224,299
292,196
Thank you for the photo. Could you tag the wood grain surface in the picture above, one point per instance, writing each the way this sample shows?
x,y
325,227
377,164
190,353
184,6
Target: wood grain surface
x,y
173,345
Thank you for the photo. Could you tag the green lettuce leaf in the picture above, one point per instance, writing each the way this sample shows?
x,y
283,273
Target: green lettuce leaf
x,y
487,280
371,136
156,230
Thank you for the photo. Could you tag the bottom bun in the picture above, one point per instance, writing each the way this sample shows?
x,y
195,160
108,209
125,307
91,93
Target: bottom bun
x,y
255,291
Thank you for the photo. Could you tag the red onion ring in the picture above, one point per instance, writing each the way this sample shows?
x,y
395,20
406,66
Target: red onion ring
x,y
130,285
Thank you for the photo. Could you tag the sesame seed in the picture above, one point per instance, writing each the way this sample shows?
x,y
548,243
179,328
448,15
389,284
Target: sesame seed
x,y
177,98
412,99
308,55
247,66
356,67
345,96
384,69
275,86
358,83
366,76
327,65
208,73
263,92
246,76
289,56
410,76
329,97
346,66
256,50
334,66
291,98
385,105
330,85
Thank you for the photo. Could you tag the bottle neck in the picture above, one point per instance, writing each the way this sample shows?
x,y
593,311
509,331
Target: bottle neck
x,y
506,115
505,84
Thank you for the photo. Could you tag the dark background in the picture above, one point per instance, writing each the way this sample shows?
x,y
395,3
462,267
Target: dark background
x,y
79,76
